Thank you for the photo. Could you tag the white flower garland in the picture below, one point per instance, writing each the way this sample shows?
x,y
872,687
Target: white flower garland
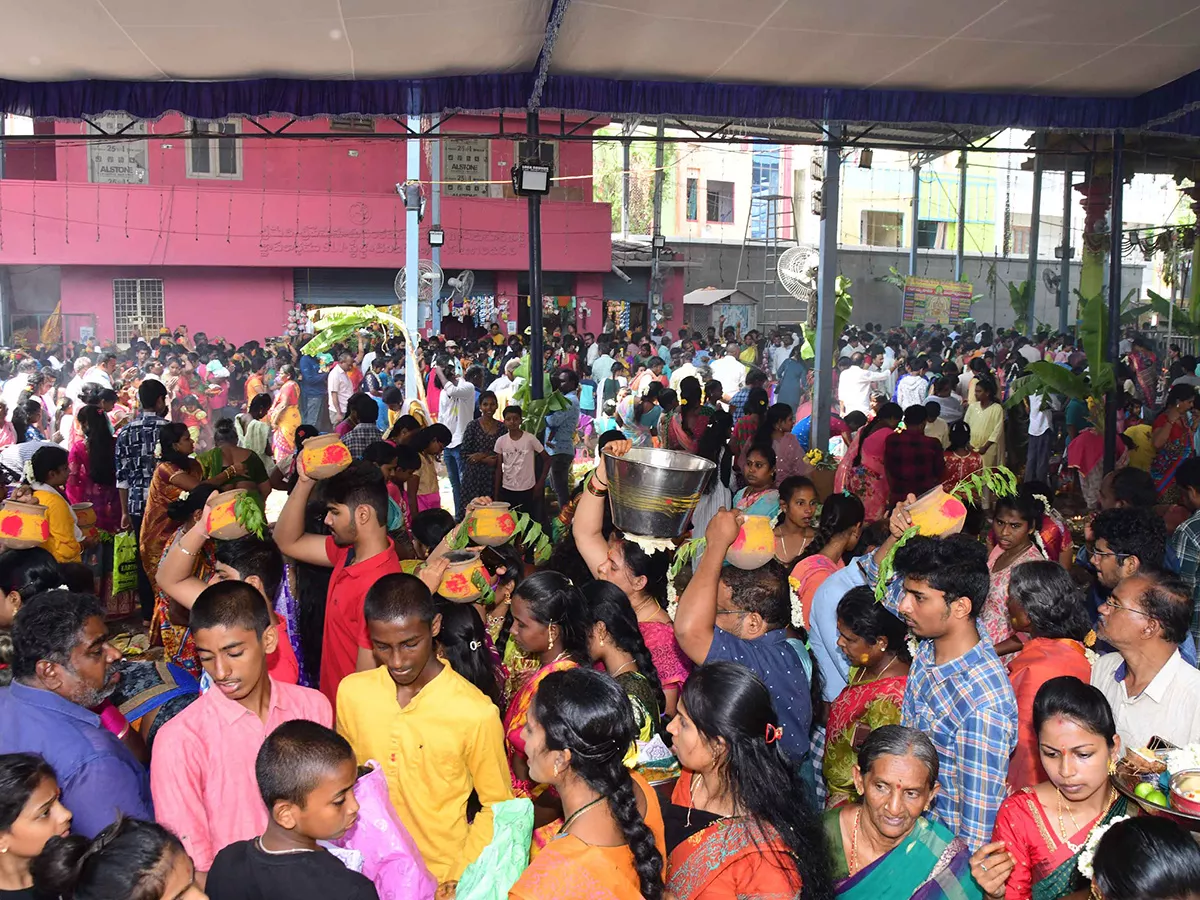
x,y
914,646
797,606
1088,854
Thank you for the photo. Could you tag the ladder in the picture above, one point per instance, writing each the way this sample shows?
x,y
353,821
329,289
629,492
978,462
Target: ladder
x,y
758,263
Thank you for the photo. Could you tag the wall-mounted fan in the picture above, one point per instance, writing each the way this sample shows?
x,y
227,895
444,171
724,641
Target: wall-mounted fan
x,y
461,286
429,281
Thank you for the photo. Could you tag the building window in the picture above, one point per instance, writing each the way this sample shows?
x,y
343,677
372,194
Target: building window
x,y
137,301
361,124
1020,240
693,199
881,229
720,201
764,181
931,235
214,152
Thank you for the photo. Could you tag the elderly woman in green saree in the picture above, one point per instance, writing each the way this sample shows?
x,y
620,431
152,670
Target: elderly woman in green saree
x,y
883,848
1041,830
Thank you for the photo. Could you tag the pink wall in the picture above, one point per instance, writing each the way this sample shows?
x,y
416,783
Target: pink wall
x,y
237,304
213,224
280,164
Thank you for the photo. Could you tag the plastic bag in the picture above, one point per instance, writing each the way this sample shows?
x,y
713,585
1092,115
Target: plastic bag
x,y
125,551
503,860
390,856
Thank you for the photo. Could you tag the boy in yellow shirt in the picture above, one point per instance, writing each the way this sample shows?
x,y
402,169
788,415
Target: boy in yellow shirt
x,y
434,733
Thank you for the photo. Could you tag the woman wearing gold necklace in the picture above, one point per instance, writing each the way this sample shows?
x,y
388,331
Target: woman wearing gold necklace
x,y
884,847
548,623
874,641
799,504
610,845
1041,830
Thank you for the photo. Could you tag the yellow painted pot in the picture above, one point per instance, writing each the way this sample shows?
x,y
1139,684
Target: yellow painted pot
x,y
755,544
23,525
324,456
938,514
222,522
491,525
459,583
85,514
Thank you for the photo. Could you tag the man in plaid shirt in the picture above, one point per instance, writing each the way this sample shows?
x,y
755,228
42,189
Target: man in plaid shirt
x,y
136,462
755,378
1185,542
958,691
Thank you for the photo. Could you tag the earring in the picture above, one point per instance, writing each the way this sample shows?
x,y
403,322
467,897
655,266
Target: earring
x,y
553,636
601,642
1112,766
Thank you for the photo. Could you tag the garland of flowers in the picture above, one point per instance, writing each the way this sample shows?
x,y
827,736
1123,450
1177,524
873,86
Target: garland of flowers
x,y
1087,855
1000,480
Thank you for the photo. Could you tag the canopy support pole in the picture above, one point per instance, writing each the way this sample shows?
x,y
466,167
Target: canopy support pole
x,y
916,216
535,276
412,275
1035,226
1064,280
1115,238
656,289
962,216
435,210
826,294
625,162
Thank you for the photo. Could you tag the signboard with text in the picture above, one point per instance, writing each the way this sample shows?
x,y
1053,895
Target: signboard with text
x,y
119,161
466,168
928,301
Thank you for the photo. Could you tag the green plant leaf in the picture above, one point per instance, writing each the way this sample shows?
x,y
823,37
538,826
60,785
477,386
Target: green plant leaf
x,y
249,512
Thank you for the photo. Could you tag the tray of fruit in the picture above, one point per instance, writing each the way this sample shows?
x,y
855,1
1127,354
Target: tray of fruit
x,y
1163,780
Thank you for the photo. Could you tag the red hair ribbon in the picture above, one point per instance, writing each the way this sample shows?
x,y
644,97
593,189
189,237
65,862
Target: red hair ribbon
x,y
774,733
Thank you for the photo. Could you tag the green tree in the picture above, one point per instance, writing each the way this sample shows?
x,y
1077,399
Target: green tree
x,y
607,166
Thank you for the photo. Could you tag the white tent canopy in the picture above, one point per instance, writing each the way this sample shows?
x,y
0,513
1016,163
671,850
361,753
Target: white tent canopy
x,y
1100,48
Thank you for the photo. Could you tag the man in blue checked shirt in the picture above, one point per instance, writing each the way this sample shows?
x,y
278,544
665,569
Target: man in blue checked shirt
x,y
958,691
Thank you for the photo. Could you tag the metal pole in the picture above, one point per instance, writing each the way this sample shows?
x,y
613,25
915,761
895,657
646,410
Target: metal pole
x,y
435,210
625,189
1064,281
962,215
412,237
916,216
656,268
1115,236
535,278
1035,225
826,293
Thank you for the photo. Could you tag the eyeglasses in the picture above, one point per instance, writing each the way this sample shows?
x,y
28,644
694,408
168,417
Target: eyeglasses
x,y
733,612
1114,605
1119,557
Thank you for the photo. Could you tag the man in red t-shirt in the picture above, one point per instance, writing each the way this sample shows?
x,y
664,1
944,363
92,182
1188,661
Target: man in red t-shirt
x,y
360,552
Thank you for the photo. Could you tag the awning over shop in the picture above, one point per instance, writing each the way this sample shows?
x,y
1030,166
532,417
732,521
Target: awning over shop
x,y
709,296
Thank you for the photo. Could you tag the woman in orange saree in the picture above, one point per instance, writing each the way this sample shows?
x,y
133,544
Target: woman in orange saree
x,y
610,847
718,847
1044,602
547,623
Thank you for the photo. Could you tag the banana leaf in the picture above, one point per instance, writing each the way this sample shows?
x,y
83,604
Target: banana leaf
x,y
1020,295
1046,378
341,324
1093,333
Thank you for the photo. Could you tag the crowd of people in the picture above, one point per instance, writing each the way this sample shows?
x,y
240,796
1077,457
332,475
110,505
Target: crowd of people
x,y
601,723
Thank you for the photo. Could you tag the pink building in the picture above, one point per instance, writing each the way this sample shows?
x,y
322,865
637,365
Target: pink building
x,y
225,235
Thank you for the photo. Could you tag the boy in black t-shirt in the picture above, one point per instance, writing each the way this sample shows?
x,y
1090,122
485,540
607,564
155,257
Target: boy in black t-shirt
x,y
306,774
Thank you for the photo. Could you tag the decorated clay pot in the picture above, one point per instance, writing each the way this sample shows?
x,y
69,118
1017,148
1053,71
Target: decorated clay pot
x,y
85,514
23,525
491,525
938,514
324,456
222,522
465,577
755,544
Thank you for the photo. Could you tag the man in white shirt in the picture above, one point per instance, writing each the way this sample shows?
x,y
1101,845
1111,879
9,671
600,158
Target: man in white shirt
x,y
456,408
602,367
593,349
685,370
1150,688
780,350
1037,457
102,372
730,371
340,387
505,386
80,368
854,386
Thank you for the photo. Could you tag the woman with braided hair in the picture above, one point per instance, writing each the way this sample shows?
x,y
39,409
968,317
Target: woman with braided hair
x,y
739,823
611,843
838,530
615,640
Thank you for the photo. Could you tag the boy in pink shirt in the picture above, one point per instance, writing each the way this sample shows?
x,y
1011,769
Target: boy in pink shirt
x,y
517,480
202,771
